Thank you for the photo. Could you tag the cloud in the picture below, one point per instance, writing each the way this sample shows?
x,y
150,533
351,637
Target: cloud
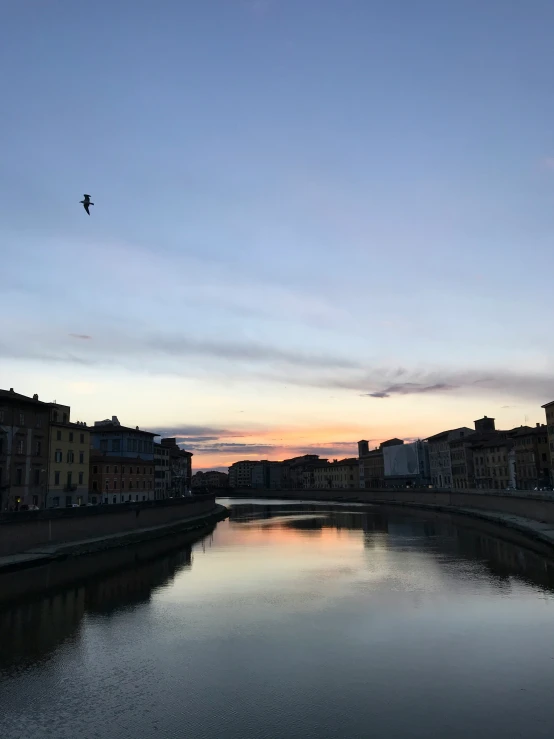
x,y
410,388
80,336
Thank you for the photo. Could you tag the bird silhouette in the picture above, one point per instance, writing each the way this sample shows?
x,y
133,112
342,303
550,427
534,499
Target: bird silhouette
x,y
86,202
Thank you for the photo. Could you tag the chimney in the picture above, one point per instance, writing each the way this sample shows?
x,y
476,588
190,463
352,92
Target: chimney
x,y
11,390
35,397
538,425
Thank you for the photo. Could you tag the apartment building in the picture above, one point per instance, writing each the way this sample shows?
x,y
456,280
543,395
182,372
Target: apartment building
x,y
123,479
68,459
24,429
343,474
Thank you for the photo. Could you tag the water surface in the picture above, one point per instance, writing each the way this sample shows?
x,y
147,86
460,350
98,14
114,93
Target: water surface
x,y
293,620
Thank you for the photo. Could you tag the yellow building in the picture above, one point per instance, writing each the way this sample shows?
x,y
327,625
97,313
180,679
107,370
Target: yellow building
x,y
342,474
68,459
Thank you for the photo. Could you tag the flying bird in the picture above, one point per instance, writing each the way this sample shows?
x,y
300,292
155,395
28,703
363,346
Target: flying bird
x,y
86,202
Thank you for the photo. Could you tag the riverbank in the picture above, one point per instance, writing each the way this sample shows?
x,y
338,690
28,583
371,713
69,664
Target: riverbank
x,y
48,553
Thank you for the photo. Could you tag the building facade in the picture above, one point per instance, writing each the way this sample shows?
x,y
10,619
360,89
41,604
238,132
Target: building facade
x,y
342,474
113,439
213,479
406,464
162,472
180,468
24,430
371,463
69,459
549,412
440,459
240,474
124,479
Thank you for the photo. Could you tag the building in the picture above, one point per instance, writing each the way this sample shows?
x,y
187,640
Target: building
x,y
406,464
120,479
162,473
371,463
210,480
180,468
517,459
24,429
68,459
113,439
240,474
440,460
298,473
549,411
462,455
532,457
342,474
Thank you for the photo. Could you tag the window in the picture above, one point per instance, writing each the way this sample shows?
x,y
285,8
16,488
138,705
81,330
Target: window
x,y
115,469
114,500
81,457
58,435
144,497
130,470
38,422
143,484
130,485
104,445
20,446
543,457
95,485
22,419
70,457
81,477
144,470
107,468
81,438
19,476
38,448
1,416
37,478
95,470
56,478
58,455
69,474
123,470
71,436
123,484
136,498
56,502
115,484
116,445
107,484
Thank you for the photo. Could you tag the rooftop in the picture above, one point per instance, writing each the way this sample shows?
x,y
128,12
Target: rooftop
x,y
109,427
11,395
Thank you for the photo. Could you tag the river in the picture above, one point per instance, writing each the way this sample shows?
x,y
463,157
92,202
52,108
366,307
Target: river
x,y
293,620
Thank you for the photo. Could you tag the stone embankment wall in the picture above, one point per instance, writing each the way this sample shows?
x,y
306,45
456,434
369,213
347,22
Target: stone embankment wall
x,y
534,505
26,530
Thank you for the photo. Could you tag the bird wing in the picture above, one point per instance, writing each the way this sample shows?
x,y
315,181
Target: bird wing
x,y
85,206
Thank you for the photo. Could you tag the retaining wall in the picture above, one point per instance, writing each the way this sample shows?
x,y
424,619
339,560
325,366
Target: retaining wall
x,y
26,530
537,506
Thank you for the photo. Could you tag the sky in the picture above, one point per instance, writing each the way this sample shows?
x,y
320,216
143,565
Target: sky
x,y
315,221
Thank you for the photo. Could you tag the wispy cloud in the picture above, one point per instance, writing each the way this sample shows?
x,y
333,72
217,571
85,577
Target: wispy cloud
x,y
80,336
410,388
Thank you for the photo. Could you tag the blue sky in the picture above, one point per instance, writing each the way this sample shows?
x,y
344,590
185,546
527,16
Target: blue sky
x,y
299,205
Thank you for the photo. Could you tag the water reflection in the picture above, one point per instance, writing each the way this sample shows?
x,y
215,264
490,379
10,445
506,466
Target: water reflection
x,y
425,532
292,620
37,627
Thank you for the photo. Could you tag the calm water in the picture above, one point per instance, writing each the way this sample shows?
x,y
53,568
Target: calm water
x,y
293,620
